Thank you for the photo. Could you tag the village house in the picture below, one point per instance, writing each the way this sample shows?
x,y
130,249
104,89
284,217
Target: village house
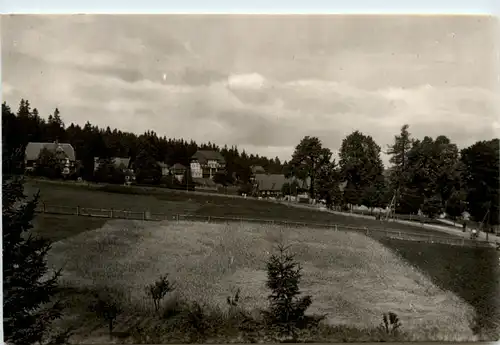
x,y
178,170
271,185
165,170
205,164
257,169
64,153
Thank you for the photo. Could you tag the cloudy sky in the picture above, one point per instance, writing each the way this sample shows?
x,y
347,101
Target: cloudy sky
x,y
261,82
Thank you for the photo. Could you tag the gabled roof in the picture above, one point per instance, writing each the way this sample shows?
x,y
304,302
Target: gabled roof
x,y
33,150
178,166
258,169
203,156
270,182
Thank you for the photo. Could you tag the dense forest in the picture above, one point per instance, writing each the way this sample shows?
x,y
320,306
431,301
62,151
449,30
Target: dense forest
x,y
26,125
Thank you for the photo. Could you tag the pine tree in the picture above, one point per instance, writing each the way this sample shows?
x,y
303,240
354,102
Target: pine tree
x,y
287,309
27,285
399,159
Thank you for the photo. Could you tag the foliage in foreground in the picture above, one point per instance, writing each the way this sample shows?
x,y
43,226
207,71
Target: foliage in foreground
x,y
27,286
175,320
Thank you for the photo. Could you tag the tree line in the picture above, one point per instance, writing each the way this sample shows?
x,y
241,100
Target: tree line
x,y
428,175
26,125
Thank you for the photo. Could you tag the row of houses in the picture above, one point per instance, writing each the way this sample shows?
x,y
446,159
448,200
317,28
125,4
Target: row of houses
x,y
204,164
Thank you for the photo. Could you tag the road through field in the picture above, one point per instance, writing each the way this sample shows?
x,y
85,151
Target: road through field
x,y
442,228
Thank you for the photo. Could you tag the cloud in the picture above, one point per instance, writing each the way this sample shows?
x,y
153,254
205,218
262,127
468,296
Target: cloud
x,y
249,82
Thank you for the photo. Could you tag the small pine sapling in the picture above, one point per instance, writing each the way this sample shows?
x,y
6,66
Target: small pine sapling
x,y
287,309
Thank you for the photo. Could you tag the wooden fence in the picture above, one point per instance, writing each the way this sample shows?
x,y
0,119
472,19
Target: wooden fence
x,y
148,216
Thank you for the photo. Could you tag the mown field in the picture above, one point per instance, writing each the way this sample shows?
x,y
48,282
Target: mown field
x,y
352,278
470,273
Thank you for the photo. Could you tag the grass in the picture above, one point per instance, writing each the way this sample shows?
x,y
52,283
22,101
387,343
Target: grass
x,y
171,202
59,227
352,278
471,273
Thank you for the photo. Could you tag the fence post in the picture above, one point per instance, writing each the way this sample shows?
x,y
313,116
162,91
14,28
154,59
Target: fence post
x,y
78,210
399,234
143,215
463,241
366,230
208,219
336,228
111,213
44,208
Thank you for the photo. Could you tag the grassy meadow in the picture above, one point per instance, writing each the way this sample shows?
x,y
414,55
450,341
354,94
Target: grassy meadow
x,y
96,253
171,202
352,278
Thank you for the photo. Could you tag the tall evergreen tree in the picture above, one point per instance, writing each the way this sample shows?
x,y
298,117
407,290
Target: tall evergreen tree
x,y
27,285
399,159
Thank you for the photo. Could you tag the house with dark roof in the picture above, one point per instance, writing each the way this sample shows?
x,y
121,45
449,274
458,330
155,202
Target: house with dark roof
x,y
269,184
178,170
257,169
205,164
272,184
64,153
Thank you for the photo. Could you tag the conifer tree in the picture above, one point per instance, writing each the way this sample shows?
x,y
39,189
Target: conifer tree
x,y
27,285
287,308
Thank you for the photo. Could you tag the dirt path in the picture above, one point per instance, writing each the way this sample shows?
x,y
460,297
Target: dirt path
x,y
442,228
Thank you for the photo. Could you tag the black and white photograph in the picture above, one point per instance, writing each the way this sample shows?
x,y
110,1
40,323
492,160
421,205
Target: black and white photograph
x,y
250,178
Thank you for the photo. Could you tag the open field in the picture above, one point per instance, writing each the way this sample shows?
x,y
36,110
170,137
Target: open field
x,y
351,277
173,202
469,273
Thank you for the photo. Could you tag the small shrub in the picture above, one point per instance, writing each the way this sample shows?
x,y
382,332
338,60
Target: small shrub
x,y
107,306
158,290
287,309
390,324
